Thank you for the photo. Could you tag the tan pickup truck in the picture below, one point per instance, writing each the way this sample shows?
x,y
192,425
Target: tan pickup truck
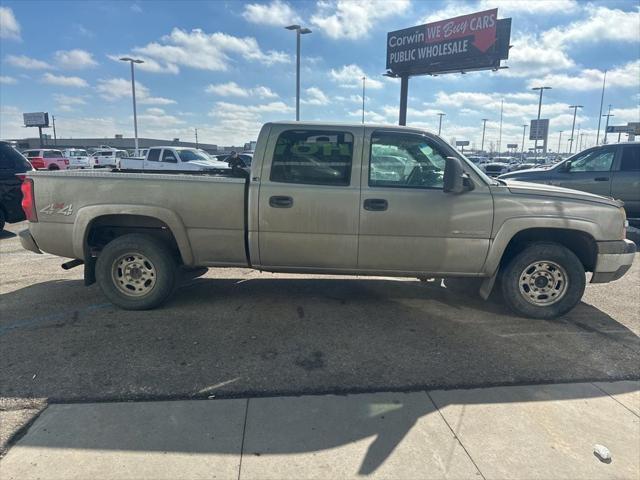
x,y
332,199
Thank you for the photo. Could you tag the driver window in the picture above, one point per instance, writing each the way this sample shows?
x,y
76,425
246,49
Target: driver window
x,y
406,161
596,161
169,157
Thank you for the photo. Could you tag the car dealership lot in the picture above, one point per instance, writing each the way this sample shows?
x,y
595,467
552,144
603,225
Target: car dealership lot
x,y
239,333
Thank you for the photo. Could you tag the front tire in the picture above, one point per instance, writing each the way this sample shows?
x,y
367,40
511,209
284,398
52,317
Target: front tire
x,y
545,280
136,272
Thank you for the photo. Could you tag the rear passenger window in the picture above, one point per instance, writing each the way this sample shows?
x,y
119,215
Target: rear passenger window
x,y
315,157
630,159
154,155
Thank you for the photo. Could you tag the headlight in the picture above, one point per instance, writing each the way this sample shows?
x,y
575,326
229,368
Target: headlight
x,y
625,223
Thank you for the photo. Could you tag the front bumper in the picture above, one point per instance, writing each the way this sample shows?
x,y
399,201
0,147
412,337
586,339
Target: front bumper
x,y
28,242
614,260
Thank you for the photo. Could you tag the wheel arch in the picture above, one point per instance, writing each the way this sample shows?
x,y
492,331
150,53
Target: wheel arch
x,y
576,234
93,222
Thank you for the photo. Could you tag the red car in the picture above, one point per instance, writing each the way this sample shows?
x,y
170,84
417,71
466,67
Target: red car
x,y
47,159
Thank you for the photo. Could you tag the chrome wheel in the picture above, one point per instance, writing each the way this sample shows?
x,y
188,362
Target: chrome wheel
x,y
543,283
134,274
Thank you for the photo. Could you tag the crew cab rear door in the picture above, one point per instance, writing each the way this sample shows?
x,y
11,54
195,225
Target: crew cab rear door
x,y
625,185
308,198
407,222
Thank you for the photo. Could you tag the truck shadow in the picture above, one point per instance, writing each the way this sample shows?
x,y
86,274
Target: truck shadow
x,y
262,337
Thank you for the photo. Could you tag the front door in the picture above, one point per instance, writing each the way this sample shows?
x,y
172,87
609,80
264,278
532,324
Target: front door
x,y
407,222
589,171
308,200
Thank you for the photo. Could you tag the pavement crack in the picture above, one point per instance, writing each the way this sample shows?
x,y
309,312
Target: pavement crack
x,y
244,431
614,398
455,435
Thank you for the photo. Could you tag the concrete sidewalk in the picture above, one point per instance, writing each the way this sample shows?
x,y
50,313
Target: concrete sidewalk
x,y
523,432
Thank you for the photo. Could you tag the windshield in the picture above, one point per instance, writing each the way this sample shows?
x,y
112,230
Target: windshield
x,y
191,156
78,153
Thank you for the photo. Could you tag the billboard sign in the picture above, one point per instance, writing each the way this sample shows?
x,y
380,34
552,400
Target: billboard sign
x,y
512,145
539,129
620,129
471,42
462,143
36,119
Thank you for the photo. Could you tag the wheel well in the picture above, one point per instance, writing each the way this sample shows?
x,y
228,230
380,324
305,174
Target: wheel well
x,y
108,227
580,243
53,166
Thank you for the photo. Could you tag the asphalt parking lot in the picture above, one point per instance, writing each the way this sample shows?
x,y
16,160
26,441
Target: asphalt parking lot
x,y
239,333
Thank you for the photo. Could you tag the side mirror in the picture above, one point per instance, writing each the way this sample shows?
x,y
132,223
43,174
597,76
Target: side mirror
x,y
567,166
455,179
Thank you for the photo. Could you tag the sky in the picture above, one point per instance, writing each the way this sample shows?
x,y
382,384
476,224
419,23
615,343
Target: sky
x,y
226,67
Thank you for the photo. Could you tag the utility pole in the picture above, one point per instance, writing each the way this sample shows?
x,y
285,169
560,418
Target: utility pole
x,y
500,134
559,140
575,111
484,127
524,131
608,115
364,80
133,94
539,110
197,146
604,82
55,137
440,122
299,31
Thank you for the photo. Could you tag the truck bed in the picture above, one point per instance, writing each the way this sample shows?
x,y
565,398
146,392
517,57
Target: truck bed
x,y
209,209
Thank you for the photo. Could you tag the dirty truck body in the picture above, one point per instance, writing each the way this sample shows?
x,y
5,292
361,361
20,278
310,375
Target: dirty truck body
x,y
333,199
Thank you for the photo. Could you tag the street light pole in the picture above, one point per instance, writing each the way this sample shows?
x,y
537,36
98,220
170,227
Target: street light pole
x,y
604,82
608,115
133,93
575,111
500,134
299,31
364,79
484,127
559,140
524,130
440,122
539,110
197,146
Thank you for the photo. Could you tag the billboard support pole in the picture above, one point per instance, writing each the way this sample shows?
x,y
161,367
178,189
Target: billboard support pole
x,y
404,93
40,135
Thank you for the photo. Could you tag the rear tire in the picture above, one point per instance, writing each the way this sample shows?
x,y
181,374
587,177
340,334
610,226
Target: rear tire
x,y
136,272
545,280
54,167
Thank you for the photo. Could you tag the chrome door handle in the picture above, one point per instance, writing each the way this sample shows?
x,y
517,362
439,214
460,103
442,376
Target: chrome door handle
x,y
601,179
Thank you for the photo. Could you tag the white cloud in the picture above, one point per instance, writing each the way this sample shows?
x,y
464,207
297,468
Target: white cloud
x,y
232,89
602,24
591,79
114,89
353,19
203,51
68,100
75,59
276,13
158,118
315,96
530,56
370,116
489,103
136,8
148,65
7,80
539,7
622,116
64,81
9,26
22,61
350,76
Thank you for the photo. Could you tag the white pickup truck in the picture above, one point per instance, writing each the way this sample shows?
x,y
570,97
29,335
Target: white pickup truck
x,y
334,199
170,158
